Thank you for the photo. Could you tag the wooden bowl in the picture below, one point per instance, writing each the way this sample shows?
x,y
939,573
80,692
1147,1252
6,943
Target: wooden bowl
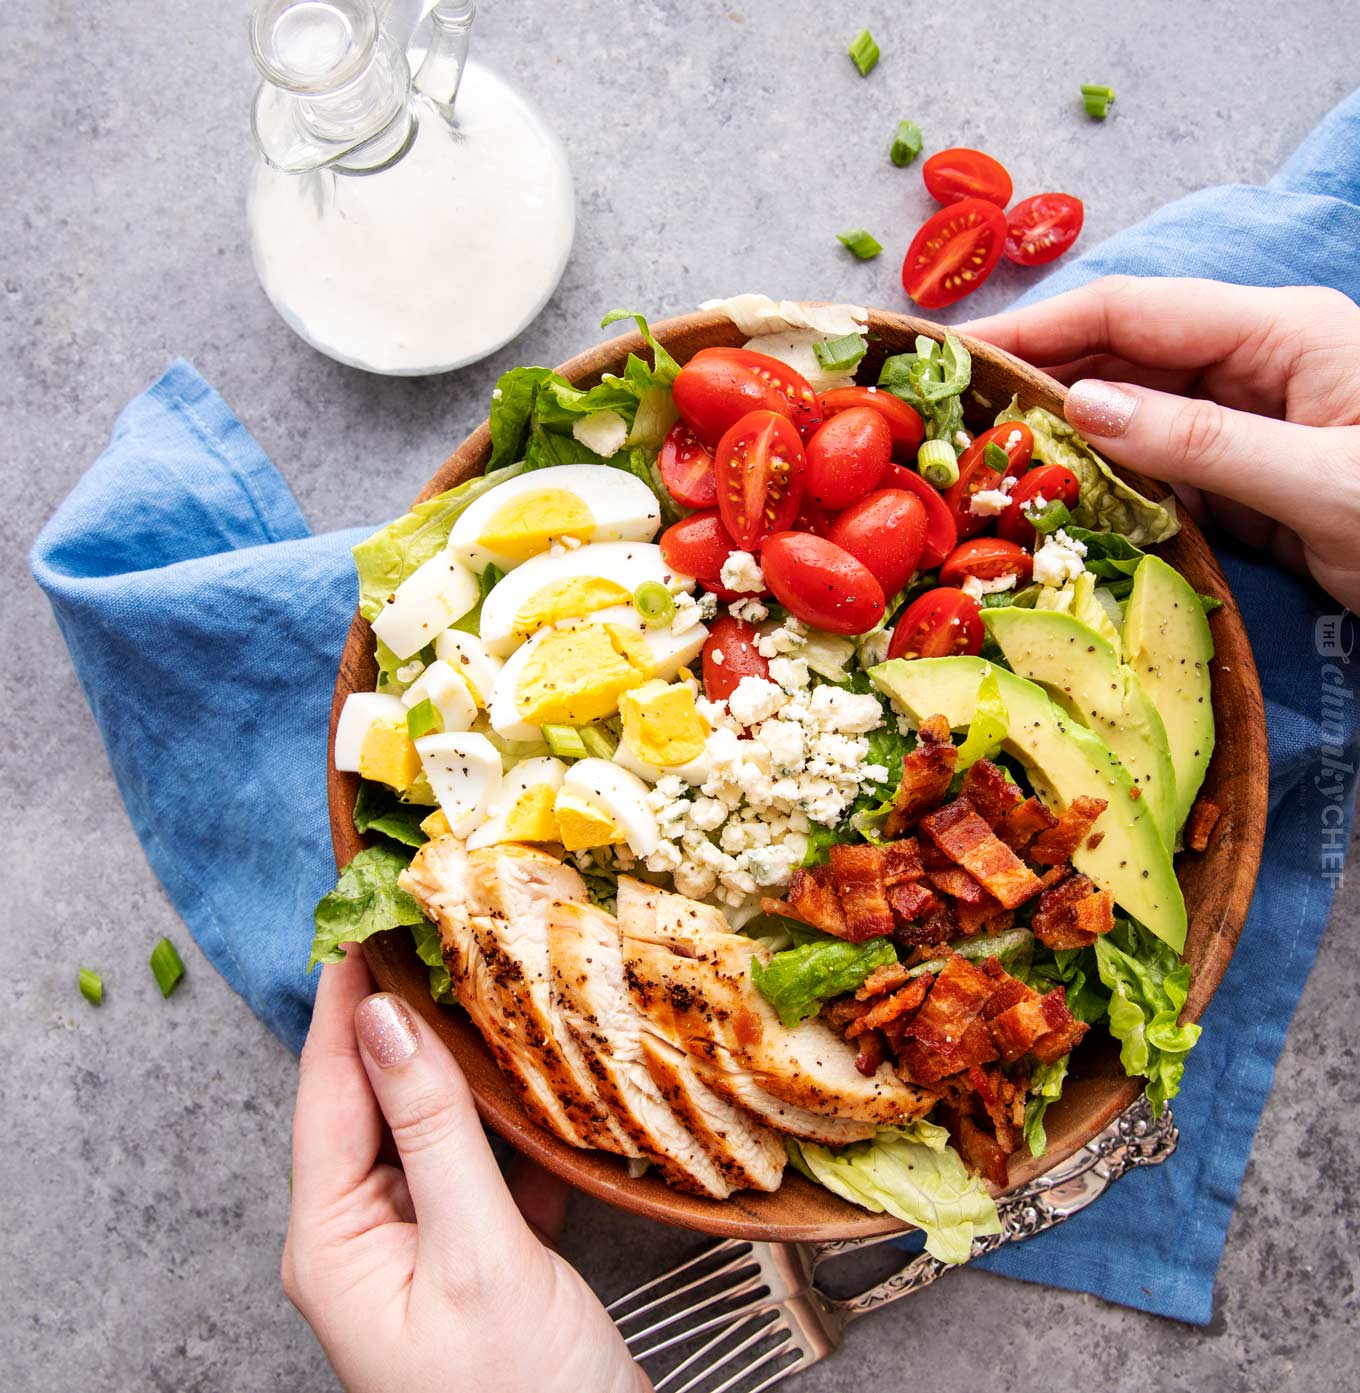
x,y
1218,884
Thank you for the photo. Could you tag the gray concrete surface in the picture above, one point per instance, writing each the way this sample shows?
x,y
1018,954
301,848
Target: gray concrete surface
x,y
717,147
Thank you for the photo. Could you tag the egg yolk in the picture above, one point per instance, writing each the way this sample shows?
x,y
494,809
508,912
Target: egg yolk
x,y
575,676
527,524
569,599
436,825
531,819
388,756
661,723
583,824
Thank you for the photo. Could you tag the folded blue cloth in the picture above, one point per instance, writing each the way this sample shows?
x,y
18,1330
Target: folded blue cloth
x,y
206,625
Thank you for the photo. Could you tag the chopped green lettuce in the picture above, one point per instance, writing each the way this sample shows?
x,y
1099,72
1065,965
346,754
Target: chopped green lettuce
x,y
1105,503
377,809
431,953
1148,986
932,380
366,900
1013,949
797,981
1073,969
913,1174
988,727
1045,1087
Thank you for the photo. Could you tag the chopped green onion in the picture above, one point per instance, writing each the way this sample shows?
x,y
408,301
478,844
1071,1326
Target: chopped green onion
x,y
937,463
422,718
994,457
653,602
565,741
864,51
91,986
597,742
864,244
841,355
906,144
1096,98
166,966
1050,517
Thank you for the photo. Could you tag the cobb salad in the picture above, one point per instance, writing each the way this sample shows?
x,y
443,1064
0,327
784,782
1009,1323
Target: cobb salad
x,y
879,679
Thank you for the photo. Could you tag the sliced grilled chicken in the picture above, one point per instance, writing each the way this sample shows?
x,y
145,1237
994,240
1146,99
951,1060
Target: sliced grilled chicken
x,y
697,1139
692,981
491,909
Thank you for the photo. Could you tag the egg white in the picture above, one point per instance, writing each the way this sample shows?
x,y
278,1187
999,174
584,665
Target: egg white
x,y
527,774
621,796
430,599
362,711
464,770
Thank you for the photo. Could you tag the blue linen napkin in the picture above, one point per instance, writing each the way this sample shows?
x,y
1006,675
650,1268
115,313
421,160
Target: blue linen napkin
x,y
188,590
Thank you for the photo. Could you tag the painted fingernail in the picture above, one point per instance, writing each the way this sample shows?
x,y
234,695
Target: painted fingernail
x,y
387,1029
1099,408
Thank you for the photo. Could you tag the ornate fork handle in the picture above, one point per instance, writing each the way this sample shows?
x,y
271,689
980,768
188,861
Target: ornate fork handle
x,y
1132,1140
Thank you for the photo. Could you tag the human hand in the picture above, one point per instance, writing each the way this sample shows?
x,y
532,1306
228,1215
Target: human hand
x,y
425,1276
1245,400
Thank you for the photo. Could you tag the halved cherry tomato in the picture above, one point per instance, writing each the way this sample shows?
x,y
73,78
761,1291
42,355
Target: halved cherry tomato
x,y
697,545
986,558
847,456
976,475
760,469
686,466
718,386
821,583
952,175
941,533
1049,481
1040,229
730,654
885,531
939,624
953,253
904,421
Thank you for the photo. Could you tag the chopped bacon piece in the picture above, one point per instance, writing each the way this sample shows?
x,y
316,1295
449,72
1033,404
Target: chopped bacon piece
x,y
960,992
934,730
1059,1041
1021,1027
857,874
1055,846
932,858
926,773
889,1008
941,925
911,901
812,898
963,836
901,861
1056,922
990,917
1023,823
842,1013
987,788
1009,991
882,979
1054,875
1095,914
1199,826
955,882
873,1050
981,1153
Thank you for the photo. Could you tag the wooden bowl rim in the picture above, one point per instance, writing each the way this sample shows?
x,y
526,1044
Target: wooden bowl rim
x,y
800,1211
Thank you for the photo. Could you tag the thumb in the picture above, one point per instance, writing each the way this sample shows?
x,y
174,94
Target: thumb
x,y
1302,476
462,1207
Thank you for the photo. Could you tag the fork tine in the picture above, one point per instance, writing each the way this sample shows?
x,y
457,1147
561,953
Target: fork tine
x,y
756,1328
737,1269
787,1347
714,1250
665,1383
759,1298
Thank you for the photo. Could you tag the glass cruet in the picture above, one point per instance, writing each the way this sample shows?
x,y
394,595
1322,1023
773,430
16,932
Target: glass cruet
x,y
404,225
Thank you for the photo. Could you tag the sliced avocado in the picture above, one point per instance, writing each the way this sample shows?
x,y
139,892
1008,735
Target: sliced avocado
x,y
1079,599
1083,674
1168,644
1063,759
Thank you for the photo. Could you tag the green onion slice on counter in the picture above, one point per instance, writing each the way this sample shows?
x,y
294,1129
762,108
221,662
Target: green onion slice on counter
x,y
166,966
1097,99
864,51
864,244
91,986
906,144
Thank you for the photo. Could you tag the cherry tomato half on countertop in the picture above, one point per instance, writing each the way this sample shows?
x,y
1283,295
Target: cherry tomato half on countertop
x,y
847,456
760,467
904,421
1049,482
886,531
941,532
1016,441
718,386
952,175
954,252
939,624
821,583
686,466
729,655
1040,229
986,558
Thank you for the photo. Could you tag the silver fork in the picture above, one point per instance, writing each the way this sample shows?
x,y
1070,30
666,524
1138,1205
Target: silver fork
x,y
757,1301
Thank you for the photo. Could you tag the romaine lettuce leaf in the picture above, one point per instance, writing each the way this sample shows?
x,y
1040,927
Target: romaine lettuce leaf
x,y
377,809
987,729
429,951
1105,503
512,408
913,1174
1073,969
932,380
1045,1087
797,981
1148,986
366,900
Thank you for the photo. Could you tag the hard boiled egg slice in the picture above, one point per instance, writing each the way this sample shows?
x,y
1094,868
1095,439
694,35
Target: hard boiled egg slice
x,y
571,585
600,804
371,739
426,603
464,770
667,652
447,692
523,809
525,515
466,654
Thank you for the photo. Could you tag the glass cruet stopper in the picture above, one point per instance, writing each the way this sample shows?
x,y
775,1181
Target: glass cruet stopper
x,y
392,229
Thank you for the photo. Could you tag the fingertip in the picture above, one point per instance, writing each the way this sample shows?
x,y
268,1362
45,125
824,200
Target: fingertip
x,y
1099,408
